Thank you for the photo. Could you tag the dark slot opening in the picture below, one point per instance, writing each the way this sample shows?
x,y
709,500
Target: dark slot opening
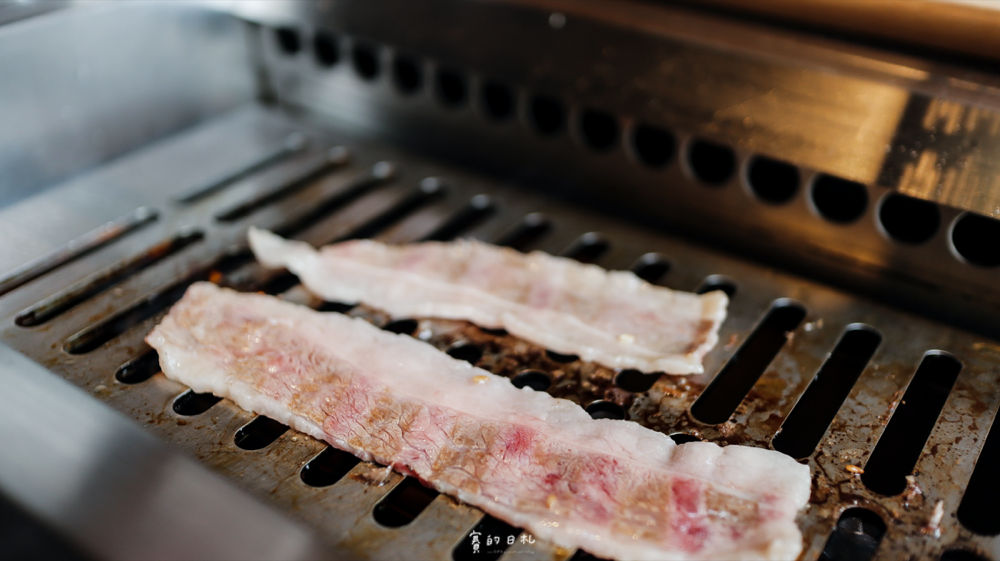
x,y
802,430
653,146
334,158
451,87
856,537
407,74
600,129
899,447
480,545
465,351
498,332
978,510
683,438
259,433
479,208
326,49
547,114
711,163
279,283
404,503
402,326
527,231
635,381
961,555
288,40
726,391
582,555
534,379
139,369
909,220
717,282
588,248
379,174
77,248
561,358
88,288
773,181
365,60
601,409
839,200
338,307
327,467
651,267
190,403
430,189
498,101
977,239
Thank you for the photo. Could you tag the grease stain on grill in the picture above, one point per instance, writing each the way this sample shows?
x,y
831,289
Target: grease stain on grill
x,y
404,503
652,267
488,526
856,537
978,510
526,232
534,379
327,467
139,369
96,284
588,248
732,384
191,403
478,209
259,433
903,439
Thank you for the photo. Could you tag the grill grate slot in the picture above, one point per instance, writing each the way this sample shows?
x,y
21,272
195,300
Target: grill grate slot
x,y
588,248
478,209
327,467
139,369
857,536
430,189
717,282
190,404
978,511
404,503
59,303
526,232
651,267
259,433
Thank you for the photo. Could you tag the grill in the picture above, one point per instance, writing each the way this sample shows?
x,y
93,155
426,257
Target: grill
x,y
862,330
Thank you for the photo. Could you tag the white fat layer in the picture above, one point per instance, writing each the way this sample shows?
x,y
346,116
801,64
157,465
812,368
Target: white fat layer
x,y
487,285
415,371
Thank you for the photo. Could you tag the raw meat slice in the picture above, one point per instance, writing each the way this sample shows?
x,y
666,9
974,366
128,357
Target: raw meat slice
x,y
611,487
610,317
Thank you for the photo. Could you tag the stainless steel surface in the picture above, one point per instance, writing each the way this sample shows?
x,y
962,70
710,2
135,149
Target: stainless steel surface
x,y
342,512
117,491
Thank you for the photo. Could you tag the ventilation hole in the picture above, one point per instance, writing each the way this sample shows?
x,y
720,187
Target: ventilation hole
x,y
88,288
717,282
773,181
526,232
653,146
278,283
547,115
856,537
899,447
139,369
326,49
365,60
407,74
909,220
288,40
635,381
651,267
805,425
961,555
711,163
487,541
839,200
300,179
601,409
291,145
582,555
726,391
402,326
498,101
259,433
465,351
380,174
327,467
683,438
561,358
430,189
404,503
451,88
534,379
190,403
337,307
978,510
977,239
588,248
472,214
77,248
599,129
